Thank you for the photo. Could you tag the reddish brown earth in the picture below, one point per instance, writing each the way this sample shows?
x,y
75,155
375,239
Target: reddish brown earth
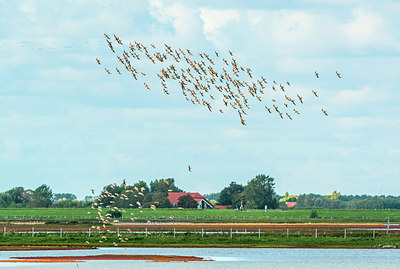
x,y
22,248
153,258
264,227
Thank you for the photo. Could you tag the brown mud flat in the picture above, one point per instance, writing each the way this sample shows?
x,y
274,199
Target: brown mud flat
x,y
153,258
23,248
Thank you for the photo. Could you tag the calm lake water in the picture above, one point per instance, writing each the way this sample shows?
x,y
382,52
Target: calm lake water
x,y
225,258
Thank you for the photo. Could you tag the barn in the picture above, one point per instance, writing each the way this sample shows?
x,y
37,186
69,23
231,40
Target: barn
x,y
202,202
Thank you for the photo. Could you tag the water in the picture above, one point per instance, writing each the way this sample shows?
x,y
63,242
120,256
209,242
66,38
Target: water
x,y
249,258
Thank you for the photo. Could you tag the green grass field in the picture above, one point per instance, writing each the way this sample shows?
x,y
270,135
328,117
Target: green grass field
x,y
359,240
81,215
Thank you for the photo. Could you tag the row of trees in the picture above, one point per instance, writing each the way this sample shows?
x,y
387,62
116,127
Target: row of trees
x,y
338,201
139,194
257,193
42,196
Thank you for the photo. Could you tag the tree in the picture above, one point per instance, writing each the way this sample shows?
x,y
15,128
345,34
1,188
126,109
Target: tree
x,y
334,196
69,196
164,186
260,192
227,195
157,199
42,196
187,201
5,199
142,187
16,195
289,198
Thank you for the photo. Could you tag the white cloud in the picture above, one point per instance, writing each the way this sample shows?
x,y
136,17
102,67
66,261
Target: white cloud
x,y
344,151
69,73
365,28
9,149
182,18
28,8
394,150
354,97
214,19
361,122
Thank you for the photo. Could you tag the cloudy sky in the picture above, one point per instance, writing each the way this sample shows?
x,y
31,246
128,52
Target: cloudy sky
x,y
66,123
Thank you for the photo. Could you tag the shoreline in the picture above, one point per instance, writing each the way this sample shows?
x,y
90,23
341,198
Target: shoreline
x,y
93,247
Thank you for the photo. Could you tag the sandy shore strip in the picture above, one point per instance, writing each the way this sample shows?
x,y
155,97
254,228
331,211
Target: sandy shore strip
x,y
153,258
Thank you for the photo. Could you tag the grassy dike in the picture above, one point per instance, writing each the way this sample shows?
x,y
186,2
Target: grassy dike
x,y
80,215
267,240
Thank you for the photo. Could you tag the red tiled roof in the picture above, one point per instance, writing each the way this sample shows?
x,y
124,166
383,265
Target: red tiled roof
x,y
291,204
173,197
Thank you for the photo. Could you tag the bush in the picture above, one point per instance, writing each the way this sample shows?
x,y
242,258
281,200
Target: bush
x,y
187,201
314,214
115,214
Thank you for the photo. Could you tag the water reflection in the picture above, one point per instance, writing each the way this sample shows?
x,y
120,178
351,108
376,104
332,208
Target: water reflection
x,y
224,258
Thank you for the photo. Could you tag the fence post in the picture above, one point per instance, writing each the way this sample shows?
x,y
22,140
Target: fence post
x,y
33,231
388,224
344,233
373,234
61,231
146,232
259,233
231,232
118,231
316,233
287,233
89,231
174,232
202,232
5,231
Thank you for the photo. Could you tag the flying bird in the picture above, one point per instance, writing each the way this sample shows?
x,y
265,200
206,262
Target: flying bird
x,y
189,168
324,111
300,98
338,74
316,74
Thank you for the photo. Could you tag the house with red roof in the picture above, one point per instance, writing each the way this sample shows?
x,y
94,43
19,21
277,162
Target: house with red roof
x,y
291,204
202,202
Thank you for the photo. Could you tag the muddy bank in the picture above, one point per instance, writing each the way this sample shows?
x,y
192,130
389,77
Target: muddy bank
x,y
22,248
153,258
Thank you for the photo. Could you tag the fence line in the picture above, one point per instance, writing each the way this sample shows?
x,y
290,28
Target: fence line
x,y
187,217
231,233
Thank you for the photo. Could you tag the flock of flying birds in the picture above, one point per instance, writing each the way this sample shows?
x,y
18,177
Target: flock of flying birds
x,y
105,218
203,82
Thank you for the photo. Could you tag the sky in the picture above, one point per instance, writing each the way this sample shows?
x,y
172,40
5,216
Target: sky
x,y
66,123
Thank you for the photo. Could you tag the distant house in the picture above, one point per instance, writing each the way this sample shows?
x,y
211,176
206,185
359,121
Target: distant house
x,y
202,202
221,206
291,204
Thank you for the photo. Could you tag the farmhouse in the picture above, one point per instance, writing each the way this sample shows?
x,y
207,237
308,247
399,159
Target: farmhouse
x,y
202,202
291,204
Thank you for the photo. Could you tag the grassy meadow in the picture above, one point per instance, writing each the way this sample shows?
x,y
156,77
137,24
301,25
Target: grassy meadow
x,y
357,240
80,215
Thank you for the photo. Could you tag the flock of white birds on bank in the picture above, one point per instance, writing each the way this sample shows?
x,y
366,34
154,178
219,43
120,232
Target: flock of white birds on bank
x,y
202,81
